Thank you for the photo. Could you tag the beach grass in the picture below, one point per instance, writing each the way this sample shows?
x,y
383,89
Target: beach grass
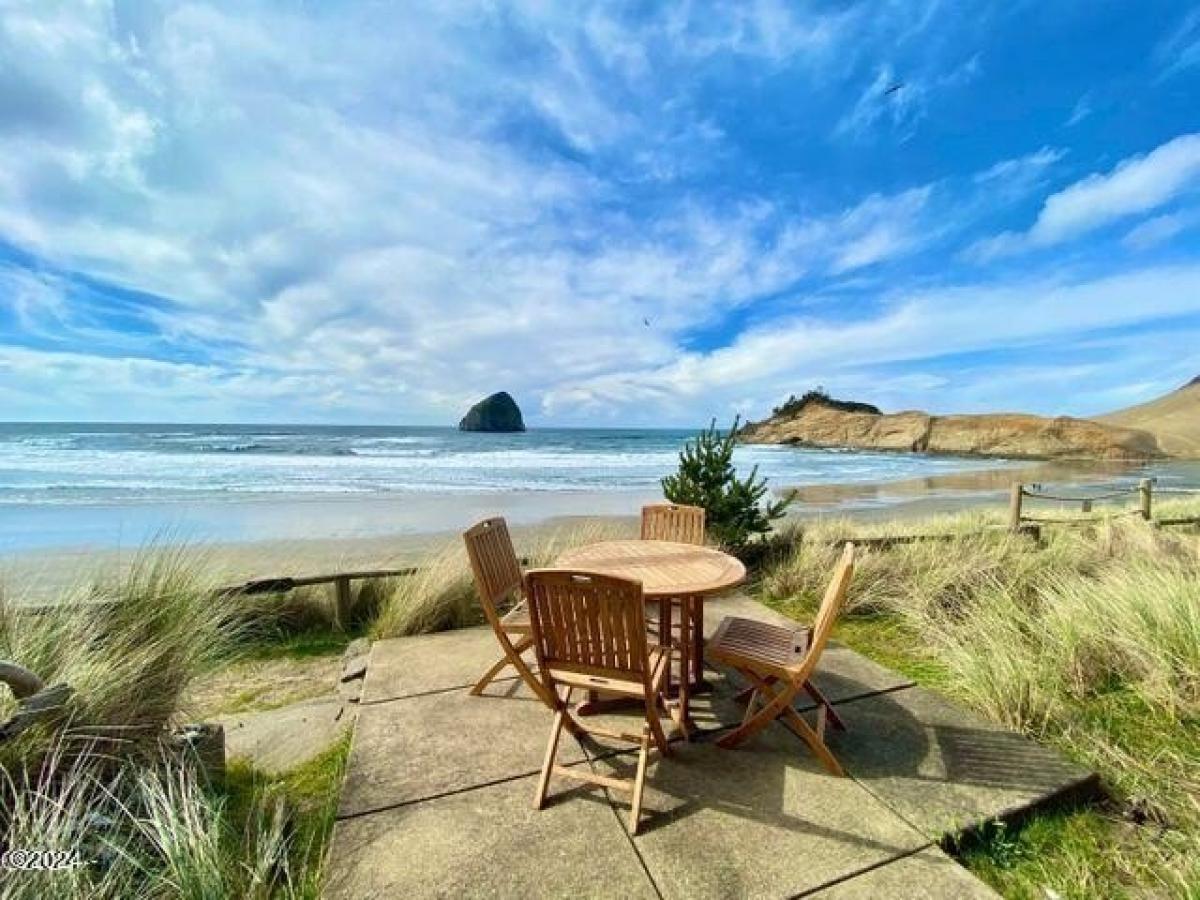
x,y
98,777
1088,640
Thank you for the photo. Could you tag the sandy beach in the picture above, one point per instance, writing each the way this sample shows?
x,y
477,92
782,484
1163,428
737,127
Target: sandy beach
x,y
345,534
59,549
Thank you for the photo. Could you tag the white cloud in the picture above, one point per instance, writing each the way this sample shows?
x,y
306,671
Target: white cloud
x,y
900,100
1155,231
389,233
1082,109
1180,49
1136,185
909,328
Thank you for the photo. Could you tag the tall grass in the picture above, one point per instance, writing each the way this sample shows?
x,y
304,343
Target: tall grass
x,y
154,830
98,778
128,650
1089,640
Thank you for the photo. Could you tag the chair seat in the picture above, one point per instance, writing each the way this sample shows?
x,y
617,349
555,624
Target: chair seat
x,y
516,619
757,644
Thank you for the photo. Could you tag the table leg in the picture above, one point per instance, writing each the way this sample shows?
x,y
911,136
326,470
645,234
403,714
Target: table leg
x,y
697,673
685,660
665,635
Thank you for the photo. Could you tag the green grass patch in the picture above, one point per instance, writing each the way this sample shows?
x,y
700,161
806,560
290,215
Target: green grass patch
x,y
309,796
307,644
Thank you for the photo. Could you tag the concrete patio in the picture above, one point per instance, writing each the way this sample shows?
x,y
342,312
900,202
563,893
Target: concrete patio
x,y
438,795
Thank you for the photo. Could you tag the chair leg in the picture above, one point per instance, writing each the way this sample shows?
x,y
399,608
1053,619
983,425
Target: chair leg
x,y
815,741
751,703
771,710
489,676
819,698
665,635
639,781
656,729
548,764
747,695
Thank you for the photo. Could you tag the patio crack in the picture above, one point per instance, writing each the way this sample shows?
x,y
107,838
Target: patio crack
x,y
628,837
842,879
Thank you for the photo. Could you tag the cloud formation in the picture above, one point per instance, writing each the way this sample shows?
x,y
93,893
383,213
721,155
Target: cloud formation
x,y
348,212
1136,185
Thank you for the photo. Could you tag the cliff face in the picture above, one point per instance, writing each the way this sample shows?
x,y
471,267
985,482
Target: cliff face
x,y
499,412
818,424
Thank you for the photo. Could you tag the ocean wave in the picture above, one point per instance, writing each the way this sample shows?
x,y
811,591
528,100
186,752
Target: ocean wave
x,y
241,462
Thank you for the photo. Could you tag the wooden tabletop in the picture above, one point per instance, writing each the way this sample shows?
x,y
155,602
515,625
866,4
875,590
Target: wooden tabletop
x,y
665,569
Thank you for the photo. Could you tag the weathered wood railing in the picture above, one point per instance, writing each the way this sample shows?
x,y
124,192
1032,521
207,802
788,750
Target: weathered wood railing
x,y
1144,491
342,595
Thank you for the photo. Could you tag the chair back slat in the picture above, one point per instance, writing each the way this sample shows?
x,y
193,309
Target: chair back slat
x,y
494,564
673,522
831,607
587,621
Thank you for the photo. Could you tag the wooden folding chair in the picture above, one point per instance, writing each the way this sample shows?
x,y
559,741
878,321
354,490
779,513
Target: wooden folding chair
x,y
589,632
778,662
498,582
672,522
682,525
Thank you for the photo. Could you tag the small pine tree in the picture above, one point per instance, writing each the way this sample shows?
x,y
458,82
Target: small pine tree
x,y
734,507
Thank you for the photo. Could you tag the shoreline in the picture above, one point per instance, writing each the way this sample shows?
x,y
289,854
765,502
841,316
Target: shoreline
x,y
50,573
312,534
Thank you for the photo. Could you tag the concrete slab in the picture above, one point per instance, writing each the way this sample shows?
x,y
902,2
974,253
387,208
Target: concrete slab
x,y
489,842
408,667
756,822
944,768
927,875
424,746
277,740
437,799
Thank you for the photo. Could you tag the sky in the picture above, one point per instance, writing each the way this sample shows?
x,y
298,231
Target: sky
x,y
623,214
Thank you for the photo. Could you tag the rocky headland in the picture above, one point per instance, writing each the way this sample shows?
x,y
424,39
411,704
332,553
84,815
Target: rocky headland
x,y
817,420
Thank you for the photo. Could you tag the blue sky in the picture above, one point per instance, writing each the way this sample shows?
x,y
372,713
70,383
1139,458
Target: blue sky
x,y
624,214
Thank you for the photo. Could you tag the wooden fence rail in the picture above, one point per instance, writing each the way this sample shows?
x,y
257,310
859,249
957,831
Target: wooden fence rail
x,y
1144,492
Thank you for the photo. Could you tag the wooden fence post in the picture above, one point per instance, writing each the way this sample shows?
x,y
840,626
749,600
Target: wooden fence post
x,y
1145,492
341,599
1014,506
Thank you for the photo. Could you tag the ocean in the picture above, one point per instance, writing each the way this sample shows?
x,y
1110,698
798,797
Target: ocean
x,y
88,464
95,485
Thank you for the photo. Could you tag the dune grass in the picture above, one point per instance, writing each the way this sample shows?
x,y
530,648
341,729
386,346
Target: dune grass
x,y
1088,640
99,779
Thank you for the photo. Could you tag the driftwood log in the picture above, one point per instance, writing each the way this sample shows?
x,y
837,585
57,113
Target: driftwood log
x,y
36,700
20,680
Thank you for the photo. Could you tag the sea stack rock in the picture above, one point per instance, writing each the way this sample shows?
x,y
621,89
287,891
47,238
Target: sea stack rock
x,y
498,412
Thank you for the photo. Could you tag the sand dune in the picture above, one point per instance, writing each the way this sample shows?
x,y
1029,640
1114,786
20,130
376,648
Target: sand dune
x,y
1173,419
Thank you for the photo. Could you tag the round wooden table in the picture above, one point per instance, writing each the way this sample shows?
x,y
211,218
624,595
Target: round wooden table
x,y
668,572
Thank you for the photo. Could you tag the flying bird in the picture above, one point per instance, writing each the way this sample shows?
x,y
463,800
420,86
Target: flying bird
x,y
646,322
893,88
